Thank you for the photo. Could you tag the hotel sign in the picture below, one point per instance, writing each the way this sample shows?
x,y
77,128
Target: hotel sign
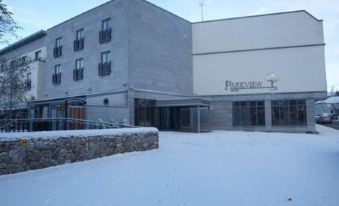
x,y
236,86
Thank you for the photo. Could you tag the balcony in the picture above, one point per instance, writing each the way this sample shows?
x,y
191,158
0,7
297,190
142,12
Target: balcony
x,y
79,44
78,74
56,78
105,35
57,52
104,69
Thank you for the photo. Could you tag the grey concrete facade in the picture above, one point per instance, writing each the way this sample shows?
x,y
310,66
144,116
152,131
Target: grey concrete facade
x,y
142,45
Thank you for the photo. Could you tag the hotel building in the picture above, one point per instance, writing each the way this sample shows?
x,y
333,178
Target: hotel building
x,y
129,60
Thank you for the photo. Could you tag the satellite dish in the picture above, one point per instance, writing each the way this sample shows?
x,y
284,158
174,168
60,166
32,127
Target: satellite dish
x,y
272,78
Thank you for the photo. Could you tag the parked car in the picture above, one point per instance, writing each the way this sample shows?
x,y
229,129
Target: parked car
x,y
324,118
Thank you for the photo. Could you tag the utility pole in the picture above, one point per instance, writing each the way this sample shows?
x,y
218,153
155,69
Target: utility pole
x,y
202,3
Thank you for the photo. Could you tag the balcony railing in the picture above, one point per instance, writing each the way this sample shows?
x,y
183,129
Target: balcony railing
x,y
56,78
79,44
104,69
51,124
57,52
105,35
78,74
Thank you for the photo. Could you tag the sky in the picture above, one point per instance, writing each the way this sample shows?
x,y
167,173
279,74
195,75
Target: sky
x,y
34,15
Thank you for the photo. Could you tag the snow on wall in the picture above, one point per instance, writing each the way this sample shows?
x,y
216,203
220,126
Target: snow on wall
x,y
26,151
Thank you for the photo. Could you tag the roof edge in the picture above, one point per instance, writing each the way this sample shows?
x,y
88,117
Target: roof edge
x,y
26,40
259,15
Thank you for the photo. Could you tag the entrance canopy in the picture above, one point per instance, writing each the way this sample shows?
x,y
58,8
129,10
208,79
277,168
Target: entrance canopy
x,y
183,114
183,102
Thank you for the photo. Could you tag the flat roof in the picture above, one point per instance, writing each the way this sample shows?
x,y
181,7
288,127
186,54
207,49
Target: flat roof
x,y
23,41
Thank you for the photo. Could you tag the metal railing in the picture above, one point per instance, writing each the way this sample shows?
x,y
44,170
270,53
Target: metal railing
x,y
50,124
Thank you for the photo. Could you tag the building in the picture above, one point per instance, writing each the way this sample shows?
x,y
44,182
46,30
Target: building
x,y
133,61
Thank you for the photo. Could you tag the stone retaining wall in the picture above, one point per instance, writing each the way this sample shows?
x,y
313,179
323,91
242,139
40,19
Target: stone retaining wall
x,y
26,151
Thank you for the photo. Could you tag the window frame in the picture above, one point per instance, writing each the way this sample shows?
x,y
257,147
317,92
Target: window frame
x,y
57,69
81,32
106,24
58,42
37,55
80,65
291,112
108,57
248,113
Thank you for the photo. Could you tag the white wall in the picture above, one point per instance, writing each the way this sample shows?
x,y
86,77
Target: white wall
x,y
37,69
218,54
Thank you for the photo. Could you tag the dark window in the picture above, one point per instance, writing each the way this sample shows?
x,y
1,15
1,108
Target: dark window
x,y
24,59
105,35
79,41
79,70
28,82
57,74
104,67
249,113
144,111
289,112
58,48
38,55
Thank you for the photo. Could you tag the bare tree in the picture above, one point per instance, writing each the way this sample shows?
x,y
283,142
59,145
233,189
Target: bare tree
x,y
14,83
8,26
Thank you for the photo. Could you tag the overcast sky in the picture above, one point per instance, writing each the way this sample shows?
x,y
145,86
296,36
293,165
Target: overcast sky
x,y
34,15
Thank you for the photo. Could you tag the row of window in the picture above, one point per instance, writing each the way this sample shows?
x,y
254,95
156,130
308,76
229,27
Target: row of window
x,y
24,60
284,113
104,68
105,35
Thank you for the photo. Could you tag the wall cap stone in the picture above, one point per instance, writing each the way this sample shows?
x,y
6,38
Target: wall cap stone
x,y
75,133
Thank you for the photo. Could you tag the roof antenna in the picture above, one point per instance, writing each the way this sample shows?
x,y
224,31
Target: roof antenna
x,y
202,3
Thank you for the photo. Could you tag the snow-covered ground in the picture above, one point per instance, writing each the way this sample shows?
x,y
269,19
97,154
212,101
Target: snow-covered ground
x,y
218,168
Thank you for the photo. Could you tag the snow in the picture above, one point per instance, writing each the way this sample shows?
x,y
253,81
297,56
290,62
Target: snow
x,y
217,168
331,100
73,133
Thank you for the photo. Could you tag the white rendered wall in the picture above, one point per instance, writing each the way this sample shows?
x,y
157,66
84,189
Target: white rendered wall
x,y
218,54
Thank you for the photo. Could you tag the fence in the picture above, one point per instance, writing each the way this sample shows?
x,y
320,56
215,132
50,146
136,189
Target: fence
x,y
31,125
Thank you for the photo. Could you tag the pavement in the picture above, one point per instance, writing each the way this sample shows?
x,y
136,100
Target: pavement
x,y
334,125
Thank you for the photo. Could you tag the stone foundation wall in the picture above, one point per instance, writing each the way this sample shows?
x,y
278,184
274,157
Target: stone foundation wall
x,y
28,151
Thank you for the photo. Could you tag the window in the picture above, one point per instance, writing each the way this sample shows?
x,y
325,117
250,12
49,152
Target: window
x,y
106,57
249,113
79,63
79,41
28,82
106,24
57,69
57,52
289,113
104,67
38,55
24,59
78,71
105,35
57,74
58,42
80,34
